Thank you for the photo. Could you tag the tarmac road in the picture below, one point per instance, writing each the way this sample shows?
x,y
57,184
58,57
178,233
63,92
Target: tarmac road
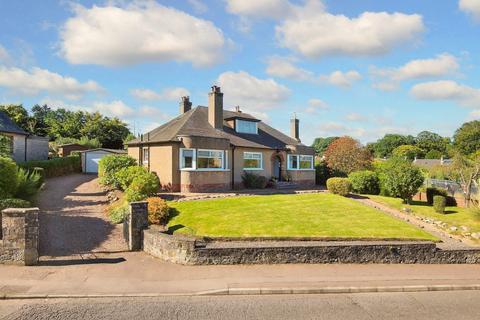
x,y
420,305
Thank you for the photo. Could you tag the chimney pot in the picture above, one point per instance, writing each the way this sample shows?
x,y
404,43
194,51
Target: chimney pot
x,y
215,108
237,109
185,104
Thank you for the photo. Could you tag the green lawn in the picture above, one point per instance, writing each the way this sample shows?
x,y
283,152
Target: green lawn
x,y
454,216
306,215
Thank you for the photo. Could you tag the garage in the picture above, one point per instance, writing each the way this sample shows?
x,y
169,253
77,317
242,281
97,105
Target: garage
x,y
91,158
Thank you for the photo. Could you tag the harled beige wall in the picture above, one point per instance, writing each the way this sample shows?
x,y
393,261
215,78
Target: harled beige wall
x,y
161,162
238,163
302,177
134,152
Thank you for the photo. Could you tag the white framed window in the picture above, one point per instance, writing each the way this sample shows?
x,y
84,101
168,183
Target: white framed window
x,y
244,126
252,161
187,159
300,162
210,159
146,155
306,163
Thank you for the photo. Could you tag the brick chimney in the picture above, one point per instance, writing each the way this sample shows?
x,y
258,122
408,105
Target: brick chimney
x,y
295,128
215,108
185,104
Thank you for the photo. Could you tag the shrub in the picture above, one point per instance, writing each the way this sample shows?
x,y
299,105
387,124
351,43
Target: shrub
x,y
13,203
118,211
142,187
28,184
158,211
111,164
55,167
341,186
322,173
432,192
40,172
8,177
408,152
401,178
439,203
254,181
365,182
125,176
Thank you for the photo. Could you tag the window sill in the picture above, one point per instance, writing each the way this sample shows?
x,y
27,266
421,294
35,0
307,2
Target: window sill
x,y
301,169
253,169
206,170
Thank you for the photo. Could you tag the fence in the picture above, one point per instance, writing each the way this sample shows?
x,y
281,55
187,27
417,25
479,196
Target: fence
x,y
452,187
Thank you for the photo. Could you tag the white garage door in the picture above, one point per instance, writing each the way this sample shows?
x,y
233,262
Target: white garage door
x,y
92,159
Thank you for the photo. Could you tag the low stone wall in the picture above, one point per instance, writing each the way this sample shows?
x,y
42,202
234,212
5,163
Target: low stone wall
x,y
19,237
191,251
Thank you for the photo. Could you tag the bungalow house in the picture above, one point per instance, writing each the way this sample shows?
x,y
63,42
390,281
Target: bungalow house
x,y
209,148
23,146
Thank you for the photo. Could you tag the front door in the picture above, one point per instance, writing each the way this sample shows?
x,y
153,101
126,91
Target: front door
x,y
277,168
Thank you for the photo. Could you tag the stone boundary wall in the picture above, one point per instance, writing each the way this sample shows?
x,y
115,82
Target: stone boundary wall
x,y
19,237
191,251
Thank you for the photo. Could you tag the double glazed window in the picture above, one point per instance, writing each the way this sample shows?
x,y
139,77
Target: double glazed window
x,y
300,162
209,159
252,161
192,159
243,126
146,155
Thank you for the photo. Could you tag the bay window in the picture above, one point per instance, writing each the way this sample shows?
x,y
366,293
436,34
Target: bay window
x,y
300,162
252,161
210,159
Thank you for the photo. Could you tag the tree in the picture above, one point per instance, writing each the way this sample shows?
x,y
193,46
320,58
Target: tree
x,y
385,146
401,178
321,144
110,132
433,154
466,171
345,155
408,152
467,138
5,146
428,141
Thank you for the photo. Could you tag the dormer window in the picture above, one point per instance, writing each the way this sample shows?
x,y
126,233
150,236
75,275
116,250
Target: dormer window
x,y
245,126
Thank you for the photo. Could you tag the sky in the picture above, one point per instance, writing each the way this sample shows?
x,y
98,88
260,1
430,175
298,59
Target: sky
x,y
353,67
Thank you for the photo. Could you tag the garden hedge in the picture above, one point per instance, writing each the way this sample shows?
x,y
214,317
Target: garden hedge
x,y
439,203
432,192
55,167
8,177
365,182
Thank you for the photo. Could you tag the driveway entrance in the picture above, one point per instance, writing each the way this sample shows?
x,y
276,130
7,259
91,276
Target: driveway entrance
x,y
73,219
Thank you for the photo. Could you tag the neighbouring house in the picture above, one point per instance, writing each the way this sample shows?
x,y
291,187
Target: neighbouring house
x,y
23,146
208,149
65,150
90,158
431,163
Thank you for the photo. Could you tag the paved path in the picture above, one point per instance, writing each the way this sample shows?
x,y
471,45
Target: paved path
x,y
72,218
427,305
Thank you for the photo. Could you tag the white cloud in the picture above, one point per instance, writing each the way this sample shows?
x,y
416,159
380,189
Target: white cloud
x,y
251,93
259,8
341,79
284,67
356,117
41,80
316,105
115,108
139,32
447,90
442,65
198,6
313,32
172,94
474,115
471,7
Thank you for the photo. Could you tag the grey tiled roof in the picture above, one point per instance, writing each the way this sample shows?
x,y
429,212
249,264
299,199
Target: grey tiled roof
x,y
195,123
7,125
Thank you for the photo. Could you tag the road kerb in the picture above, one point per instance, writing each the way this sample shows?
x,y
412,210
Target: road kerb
x,y
249,291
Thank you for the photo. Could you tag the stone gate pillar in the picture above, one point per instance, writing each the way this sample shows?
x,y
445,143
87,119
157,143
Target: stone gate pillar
x,y
138,220
20,233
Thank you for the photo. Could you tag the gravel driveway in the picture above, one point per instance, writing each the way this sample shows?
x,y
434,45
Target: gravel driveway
x,y
72,218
